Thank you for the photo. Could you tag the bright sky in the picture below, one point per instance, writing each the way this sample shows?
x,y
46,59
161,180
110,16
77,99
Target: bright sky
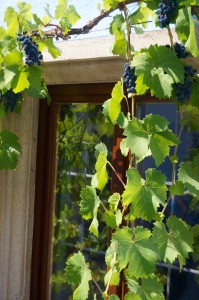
x,y
86,8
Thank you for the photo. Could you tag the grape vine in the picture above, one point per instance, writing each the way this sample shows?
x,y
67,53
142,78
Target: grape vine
x,y
141,231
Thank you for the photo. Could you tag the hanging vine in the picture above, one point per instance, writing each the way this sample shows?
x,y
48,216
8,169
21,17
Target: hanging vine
x,y
159,71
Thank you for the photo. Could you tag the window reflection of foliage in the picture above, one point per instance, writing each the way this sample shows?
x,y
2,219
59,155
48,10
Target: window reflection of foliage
x,y
81,127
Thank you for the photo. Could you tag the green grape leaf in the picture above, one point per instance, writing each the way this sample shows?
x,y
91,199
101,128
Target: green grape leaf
x,y
194,101
114,201
11,18
52,49
150,289
100,179
123,147
177,188
13,58
157,68
177,243
114,297
25,11
131,296
113,277
137,254
189,175
10,150
122,120
8,75
144,195
89,207
112,219
115,102
148,137
72,15
20,82
185,29
35,76
78,275
190,116
108,4
141,15
61,9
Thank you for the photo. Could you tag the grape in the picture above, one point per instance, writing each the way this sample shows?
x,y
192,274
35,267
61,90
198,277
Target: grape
x,y
33,55
183,90
180,50
10,100
166,10
129,78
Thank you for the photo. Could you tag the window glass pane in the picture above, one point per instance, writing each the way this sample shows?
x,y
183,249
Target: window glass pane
x,y
80,128
185,284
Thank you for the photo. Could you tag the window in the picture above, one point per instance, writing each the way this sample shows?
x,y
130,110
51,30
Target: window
x,y
69,129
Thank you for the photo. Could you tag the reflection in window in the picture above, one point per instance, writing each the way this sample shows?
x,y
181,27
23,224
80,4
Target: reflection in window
x,y
80,129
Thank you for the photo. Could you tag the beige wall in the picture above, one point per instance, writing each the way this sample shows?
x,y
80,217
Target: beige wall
x,y
81,62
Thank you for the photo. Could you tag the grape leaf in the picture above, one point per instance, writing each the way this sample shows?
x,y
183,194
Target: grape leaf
x,y
10,150
48,43
89,207
185,29
177,188
138,254
177,243
20,82
78,275
114,297
131,296
150,289
157,68
145,196
114,201
189,175
100,178
123,147
115,102
108,4
148,137
13,58
113,219
11,18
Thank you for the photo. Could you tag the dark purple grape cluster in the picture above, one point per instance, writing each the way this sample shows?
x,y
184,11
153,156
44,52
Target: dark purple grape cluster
x,y
10,100
33,55
165,11
180,50
183,90
130,78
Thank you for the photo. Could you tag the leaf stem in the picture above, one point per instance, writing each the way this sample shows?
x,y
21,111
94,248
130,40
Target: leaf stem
x,y
97,285
173,169
116,173
170,37
111,273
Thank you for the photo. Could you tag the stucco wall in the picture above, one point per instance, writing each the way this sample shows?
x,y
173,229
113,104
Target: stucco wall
x,y
82,61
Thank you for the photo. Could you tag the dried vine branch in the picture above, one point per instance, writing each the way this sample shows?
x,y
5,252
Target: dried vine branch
x,y
58,33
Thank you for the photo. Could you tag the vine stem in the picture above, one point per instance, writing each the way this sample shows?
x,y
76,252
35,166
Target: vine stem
x,y
174,168
97,285
116,173
170,37
111,273
128,28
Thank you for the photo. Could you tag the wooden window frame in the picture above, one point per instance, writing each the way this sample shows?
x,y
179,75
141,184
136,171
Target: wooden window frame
x,y
46,174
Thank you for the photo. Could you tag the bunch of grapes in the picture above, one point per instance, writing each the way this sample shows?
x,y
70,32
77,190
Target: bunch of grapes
x,y
166,10
180,50
129,78
183,90
33,55
10,100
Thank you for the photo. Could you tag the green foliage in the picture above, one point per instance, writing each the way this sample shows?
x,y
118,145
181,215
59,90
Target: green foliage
x,y
157,69
78,275
10,150
141,193
150,289
176,243
150,136
134,250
